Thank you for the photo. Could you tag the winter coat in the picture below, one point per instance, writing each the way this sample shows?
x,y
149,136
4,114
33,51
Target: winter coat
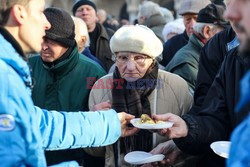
x,y
103,52
65,85
211,58
186,61
172,46
217,119
172,97
27,130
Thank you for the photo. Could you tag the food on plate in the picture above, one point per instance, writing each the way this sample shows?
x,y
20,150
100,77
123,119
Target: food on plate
x,y
146,119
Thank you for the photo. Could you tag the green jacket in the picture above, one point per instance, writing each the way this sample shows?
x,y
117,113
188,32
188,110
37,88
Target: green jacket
x,y
65,85
186,61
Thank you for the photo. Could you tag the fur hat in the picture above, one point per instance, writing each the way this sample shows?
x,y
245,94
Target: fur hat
x,y
62,26
138,39
82,2
192,6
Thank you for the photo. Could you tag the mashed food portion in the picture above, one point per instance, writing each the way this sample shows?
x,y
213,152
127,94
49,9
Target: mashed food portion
x,y
146,119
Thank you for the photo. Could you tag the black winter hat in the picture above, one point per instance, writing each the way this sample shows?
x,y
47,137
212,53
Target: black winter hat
x,y
82,2
62,26
212,14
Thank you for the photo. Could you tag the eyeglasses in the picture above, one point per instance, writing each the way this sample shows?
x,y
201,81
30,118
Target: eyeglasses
x,y
139,59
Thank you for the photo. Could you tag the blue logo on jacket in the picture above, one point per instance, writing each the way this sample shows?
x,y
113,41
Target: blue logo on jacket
x,y
7,122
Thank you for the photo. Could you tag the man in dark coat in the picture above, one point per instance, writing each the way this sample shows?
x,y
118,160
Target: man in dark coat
x,y
99,35
185,62
189,10
216,120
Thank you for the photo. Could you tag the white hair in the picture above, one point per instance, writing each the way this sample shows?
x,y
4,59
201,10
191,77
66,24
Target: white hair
x,y
198,27
176,26
82,29
148,9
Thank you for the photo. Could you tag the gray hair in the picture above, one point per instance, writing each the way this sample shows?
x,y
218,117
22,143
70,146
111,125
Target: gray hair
x,y
198,27
148,9
81,26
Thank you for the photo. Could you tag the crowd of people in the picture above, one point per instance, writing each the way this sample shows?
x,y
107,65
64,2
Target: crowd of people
x,y
71,83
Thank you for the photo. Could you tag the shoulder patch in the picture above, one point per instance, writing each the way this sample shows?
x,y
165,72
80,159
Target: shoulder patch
x,y
7,122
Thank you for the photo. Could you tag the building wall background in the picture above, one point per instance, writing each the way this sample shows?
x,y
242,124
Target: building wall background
x,y
112,7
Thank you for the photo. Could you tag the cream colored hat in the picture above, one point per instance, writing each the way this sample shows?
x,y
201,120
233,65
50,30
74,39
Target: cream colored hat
x,y
136,38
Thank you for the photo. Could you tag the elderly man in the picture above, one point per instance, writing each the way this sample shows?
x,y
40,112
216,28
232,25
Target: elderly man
x,y
185,62
150,14
61,75
189,10
137,86
27,130
216,119
82,39
99,35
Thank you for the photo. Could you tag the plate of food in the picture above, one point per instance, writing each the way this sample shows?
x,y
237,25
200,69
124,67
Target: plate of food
x,y
141,157
146,122
221,148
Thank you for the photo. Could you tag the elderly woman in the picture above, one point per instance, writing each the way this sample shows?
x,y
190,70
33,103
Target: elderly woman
x,y
138,87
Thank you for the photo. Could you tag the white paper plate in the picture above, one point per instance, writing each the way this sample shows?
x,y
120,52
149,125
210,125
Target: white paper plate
x,y
221,148
135,123
141,157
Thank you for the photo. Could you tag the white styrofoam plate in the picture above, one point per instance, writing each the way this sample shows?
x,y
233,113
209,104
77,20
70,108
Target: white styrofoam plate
x,y
162,125
141,157
221,148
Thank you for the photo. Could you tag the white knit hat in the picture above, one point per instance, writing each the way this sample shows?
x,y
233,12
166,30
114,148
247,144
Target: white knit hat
x,y
136,38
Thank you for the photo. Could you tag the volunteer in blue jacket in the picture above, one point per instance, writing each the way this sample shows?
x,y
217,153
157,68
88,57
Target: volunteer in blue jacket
x,y
27,130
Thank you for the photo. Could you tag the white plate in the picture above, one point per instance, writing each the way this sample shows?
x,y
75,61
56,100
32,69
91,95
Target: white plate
x,y
135,123
221,148
141,157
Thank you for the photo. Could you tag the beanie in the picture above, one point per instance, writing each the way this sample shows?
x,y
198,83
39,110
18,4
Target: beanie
x,y
82,2
212,14
136,38
62,26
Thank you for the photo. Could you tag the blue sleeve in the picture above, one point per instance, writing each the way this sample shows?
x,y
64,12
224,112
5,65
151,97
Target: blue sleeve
x,y
19,146
62,130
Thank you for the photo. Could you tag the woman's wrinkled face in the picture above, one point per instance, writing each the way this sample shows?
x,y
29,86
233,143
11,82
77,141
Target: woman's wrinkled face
x,y
132,66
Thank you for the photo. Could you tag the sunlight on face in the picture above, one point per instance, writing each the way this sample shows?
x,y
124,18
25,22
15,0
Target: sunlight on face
x,y
34,26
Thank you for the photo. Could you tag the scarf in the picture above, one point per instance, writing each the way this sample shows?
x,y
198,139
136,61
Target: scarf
x,y
133,99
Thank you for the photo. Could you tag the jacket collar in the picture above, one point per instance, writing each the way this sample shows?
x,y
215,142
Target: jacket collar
x,y
12,57
103,32
195,41
66,65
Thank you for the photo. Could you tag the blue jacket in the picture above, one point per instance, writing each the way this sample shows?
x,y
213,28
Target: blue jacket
x,y
26,130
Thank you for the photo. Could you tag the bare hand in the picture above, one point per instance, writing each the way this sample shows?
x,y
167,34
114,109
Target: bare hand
x,y
103,106
171,152
125,120
178,130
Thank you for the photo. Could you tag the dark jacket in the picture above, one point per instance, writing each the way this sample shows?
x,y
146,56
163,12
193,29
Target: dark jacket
x,y
217,119
64,87
186,61
172,46
156,23
103,52
211,58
